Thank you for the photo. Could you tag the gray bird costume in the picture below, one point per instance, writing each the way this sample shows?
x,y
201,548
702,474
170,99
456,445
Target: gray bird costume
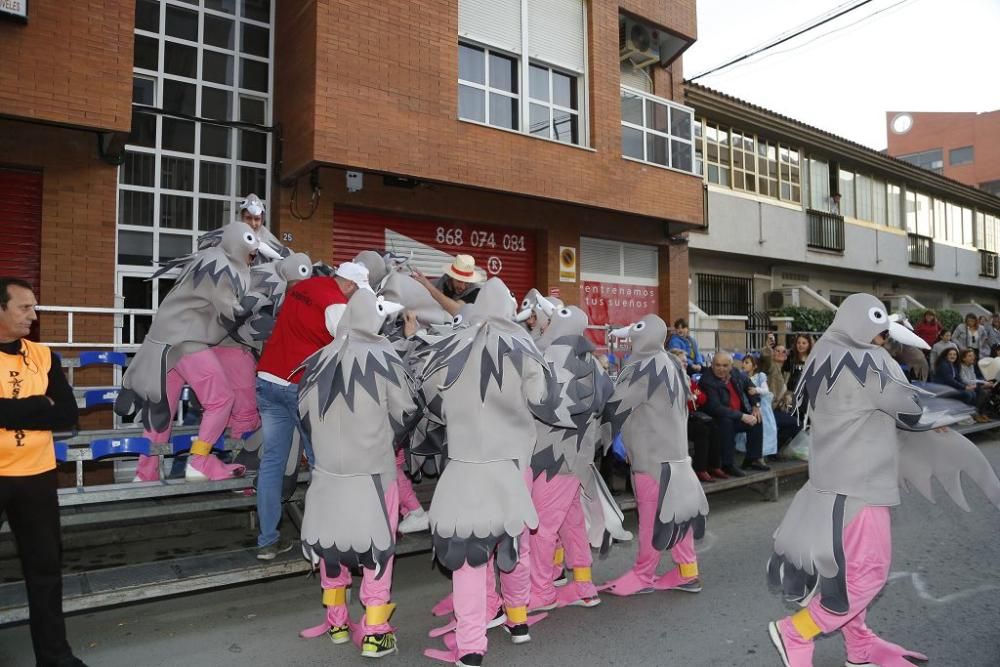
x,y
355,399
206,304
275,249
268,285
649,409
584,390
490,378
859,404
544,308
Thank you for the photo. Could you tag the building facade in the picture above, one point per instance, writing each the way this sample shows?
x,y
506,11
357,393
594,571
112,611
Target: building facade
x,y
799,217
961,146
549,140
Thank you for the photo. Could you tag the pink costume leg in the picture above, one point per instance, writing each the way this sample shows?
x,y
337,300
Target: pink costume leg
x,y
552,499
642,576
407,497
376,593
148,467
208,379
867,555
335,595
241,371
573,535
471,612
515,586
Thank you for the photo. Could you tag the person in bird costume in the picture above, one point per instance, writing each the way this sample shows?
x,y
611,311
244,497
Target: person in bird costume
x,y
870,435
488,378
355,400
208,302
563,463
649,410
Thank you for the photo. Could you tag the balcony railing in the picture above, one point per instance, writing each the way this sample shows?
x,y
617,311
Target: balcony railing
x,y
987,264
920,250
826,231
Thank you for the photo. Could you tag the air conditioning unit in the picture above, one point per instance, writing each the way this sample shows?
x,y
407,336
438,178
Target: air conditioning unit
x,y
638,43
775,300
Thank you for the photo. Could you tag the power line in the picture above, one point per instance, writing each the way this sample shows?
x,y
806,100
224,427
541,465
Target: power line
x,y
825,34
781,40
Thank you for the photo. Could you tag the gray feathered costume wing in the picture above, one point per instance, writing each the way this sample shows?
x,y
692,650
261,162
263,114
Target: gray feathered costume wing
x,y
355,399
649,410
487,375
206,304
866,441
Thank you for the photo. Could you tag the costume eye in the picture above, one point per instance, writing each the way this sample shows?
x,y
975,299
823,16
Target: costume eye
x,y
249,238
525,304
877,315
381,308
639,326
564,312
304,271
457,320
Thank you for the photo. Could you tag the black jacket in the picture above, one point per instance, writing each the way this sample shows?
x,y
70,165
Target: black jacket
x,y
718,395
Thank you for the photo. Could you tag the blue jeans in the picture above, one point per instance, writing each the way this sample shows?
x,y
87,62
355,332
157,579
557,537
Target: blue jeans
x,y
279,416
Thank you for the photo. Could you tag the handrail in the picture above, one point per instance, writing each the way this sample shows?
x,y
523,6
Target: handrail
x,y
117,326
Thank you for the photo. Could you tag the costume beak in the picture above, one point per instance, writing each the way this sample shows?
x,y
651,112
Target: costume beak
x,y
901,334
268,251
391,308
523,315
547,306
623,332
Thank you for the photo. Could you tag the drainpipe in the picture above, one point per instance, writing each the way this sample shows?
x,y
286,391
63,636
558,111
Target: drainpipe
x,y
878,259
760,223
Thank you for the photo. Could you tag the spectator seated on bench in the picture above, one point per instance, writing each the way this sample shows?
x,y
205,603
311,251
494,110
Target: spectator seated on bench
x,y
734,406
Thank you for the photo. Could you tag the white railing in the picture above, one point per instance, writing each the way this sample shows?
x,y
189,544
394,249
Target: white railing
x,y
119,318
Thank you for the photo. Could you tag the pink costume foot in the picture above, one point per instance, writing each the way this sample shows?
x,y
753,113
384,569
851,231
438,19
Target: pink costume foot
x,y
147,469
201,468
877,652
628,584
673,579
793,649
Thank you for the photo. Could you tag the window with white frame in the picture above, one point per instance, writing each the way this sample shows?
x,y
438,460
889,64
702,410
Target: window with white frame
x,y
657,131
554,111
918,214
745,161
543,95
488,90
819,185
201,112
718,159
894,198
846,192
987,232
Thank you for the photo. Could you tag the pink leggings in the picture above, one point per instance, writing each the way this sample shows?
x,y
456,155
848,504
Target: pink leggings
x,y
868,555
560,519
407,497
220,377
374,591
647,496
472,586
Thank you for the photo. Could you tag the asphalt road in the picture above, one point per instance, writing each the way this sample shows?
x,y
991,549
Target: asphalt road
x,y
943,599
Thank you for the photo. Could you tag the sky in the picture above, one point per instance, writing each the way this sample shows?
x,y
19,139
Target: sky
x,y
916,55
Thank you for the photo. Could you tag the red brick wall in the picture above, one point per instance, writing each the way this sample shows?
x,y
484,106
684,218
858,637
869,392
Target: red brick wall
x,y
78,221
946,130
71,64
390,104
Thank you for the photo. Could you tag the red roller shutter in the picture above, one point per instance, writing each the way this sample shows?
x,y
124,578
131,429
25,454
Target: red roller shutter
x,y
506,252
21,223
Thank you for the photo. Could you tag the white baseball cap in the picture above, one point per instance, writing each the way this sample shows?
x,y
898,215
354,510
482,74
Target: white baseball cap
x,y
356,273
252,204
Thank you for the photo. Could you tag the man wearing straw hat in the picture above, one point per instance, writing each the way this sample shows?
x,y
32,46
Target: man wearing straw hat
x,y
458,285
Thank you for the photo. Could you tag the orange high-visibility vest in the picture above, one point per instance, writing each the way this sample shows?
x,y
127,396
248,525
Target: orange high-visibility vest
x,y
24,452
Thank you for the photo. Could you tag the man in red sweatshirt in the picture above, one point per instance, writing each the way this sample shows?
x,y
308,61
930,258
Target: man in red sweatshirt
x,y
305,323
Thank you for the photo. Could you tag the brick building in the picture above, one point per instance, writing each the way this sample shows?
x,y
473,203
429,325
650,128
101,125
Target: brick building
x,y
518,132
962,146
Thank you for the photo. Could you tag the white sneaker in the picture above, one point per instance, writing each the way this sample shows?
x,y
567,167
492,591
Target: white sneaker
x,y
415,521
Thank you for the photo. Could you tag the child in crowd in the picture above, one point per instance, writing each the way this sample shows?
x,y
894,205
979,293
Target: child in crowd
x,y
944,342
751,366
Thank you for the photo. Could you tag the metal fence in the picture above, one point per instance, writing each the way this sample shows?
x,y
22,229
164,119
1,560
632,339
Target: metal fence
x,y
920,250
825,231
